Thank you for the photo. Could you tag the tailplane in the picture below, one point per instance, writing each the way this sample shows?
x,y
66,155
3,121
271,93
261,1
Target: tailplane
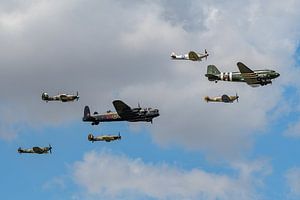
x,y
212,73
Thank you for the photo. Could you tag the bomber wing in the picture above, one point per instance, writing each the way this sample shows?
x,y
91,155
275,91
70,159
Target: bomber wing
x,y
193,56
249,76
123,109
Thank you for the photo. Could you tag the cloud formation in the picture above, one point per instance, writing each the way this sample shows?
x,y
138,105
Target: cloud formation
x,y
293,181
107,176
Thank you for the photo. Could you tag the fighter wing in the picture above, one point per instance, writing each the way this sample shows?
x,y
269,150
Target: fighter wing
x,y
63,97
225,98
193,56
123,109
249,76
38,150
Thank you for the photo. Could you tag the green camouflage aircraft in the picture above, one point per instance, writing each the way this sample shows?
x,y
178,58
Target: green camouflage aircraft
x,y
38,150
106,138
254,78
60,97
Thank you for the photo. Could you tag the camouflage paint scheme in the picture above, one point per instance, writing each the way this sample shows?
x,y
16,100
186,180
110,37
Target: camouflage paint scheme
x,y
224,98
193,56
60,97
253,78
124,113
106,138
37,150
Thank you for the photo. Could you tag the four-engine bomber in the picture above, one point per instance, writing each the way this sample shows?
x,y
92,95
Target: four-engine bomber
x,y
124,113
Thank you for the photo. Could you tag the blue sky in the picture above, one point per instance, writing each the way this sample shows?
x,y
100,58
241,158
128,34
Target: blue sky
x,y
110,50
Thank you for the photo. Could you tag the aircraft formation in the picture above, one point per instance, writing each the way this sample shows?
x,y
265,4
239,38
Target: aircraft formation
x,y
253,78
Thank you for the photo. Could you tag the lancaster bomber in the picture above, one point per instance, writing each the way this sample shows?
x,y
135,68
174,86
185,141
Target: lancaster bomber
x,y
193,56
124,113
106,138
38,150
254,78
224,98
60,97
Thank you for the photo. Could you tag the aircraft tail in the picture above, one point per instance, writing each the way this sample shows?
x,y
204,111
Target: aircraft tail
x,y
173,55
212,69
212,73
86,113
90,137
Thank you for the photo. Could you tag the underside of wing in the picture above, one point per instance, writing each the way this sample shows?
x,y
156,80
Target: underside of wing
x,y
193,56
122,109
248,75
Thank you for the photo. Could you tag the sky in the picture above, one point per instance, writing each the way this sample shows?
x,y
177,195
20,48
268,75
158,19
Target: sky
x,y
110,50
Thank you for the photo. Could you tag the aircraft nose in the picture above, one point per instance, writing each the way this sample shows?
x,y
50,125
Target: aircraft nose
x,y
277,74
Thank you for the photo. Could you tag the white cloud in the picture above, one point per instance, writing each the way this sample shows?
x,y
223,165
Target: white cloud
x,y
293,180
293,130
108,176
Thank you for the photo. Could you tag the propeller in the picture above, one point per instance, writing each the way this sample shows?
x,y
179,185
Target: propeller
x,y
77,97
237,97
50,148
119,136
205,51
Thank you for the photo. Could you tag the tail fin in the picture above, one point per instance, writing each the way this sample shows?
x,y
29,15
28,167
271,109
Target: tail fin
x,y
213,70
86,113
212,73
173,55
90,137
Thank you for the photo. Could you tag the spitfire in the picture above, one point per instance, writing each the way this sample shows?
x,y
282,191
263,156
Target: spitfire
x,y
37,150
253,78
106,138
193,56
224,98
60,97
124,113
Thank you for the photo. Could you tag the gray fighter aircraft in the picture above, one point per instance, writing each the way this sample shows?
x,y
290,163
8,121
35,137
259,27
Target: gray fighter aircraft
x,y
254,78
60,97
106,138
193,56
124,113
38,150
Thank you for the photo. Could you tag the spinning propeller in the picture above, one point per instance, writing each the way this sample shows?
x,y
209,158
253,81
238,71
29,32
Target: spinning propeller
x,y
50,148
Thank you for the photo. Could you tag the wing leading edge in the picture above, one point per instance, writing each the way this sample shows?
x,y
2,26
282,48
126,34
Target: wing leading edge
x,y
193,56
122,109
249,75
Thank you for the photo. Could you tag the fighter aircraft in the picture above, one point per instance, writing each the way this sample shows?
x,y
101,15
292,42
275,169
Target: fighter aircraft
x,y
38,150
254,78
224,98
106,138
60,97
124,113
193,56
